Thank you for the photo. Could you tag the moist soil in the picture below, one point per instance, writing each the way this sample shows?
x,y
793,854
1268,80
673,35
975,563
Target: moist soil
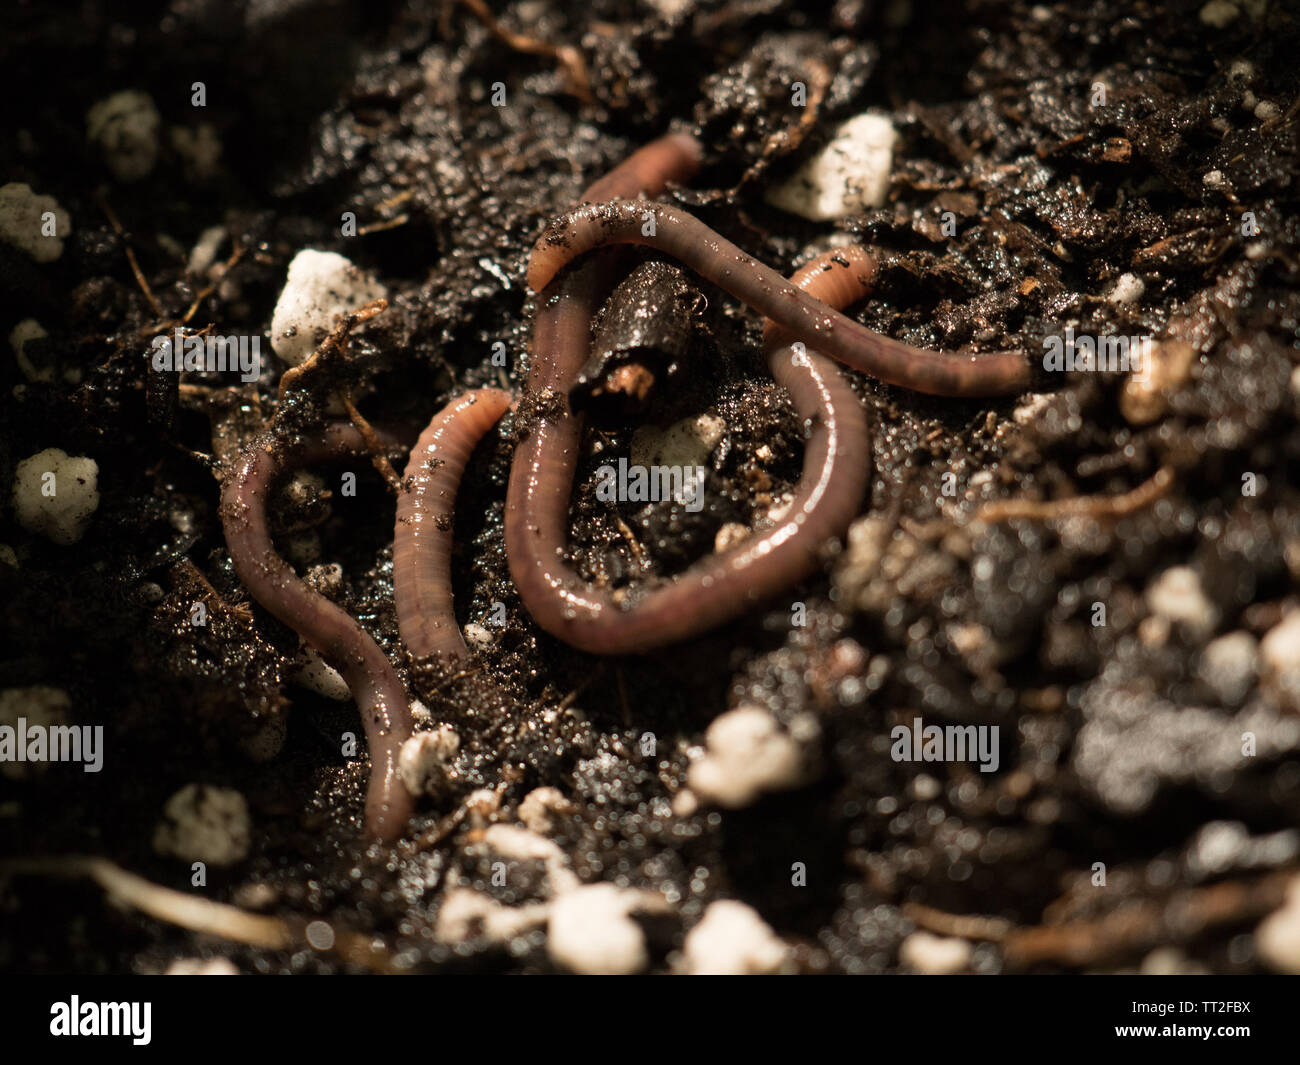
x,y
1115,750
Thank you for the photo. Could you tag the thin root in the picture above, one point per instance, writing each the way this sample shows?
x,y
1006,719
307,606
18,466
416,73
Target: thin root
x,y
1079,506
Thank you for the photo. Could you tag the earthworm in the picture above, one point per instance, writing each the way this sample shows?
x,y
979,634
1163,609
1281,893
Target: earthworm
x,y
710,255
422,540
724,585
347,647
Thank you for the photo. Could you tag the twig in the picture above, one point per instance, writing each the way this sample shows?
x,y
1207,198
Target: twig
x,y
378,458
205,916
130,254
291,377
569,58
966,926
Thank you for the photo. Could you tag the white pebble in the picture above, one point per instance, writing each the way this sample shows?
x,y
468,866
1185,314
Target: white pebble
x,y
1278,936
685,443
541,809
847,176
934,955
590,932
1279,657
43,707
202,967
747,754
204,252
1128,288
317,675
1032,409
1218,13
125,126
477,636
729,535
56,494
1242,70
467,914
424,759
1176,596
1228,666
321,287
1266,110
33,223
732,940
205,824
511,841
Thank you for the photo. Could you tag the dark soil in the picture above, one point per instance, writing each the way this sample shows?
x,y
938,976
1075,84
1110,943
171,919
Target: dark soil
x,y
1113,749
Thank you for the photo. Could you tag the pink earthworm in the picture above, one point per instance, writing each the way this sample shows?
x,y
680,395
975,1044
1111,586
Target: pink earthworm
x,y
422,540
677,233
718,588
347,647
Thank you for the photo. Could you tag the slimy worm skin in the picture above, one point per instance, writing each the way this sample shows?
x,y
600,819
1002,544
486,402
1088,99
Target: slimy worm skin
x,y
379,694
422,540
716,259
722,586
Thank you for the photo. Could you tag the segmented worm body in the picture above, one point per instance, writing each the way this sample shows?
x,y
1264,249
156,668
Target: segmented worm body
x,y
374,684
724,585
422,538
806,318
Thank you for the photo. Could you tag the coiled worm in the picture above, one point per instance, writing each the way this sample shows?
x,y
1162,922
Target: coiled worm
x,y
724,585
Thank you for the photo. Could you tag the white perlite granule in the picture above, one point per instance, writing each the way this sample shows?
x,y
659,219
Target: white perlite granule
x,y
125,126
747,754
425,758
1278,936
43,707
32,223
321,287
732,940
591,931
1176,595
1128,288
56,494
205,824
847,176
935,955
